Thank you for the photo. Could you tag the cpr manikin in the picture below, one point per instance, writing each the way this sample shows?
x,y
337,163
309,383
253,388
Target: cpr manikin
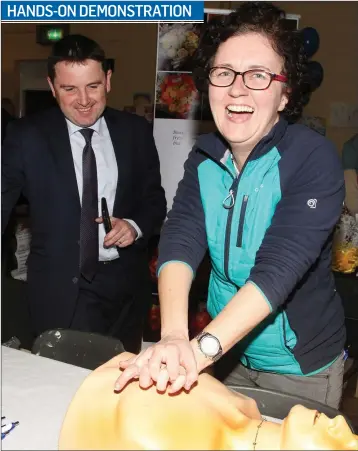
x,y
209,417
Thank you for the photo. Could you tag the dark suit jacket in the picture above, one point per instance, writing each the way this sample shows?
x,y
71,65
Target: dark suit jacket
x,y
6,118
37,160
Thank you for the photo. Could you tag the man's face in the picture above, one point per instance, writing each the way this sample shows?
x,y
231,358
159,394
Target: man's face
x,y
81,90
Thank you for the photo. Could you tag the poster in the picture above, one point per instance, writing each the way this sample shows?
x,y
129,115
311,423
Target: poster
x,y
180,111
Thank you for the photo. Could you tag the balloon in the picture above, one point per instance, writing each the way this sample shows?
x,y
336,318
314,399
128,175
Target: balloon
x,y
310,41
315,74
200,78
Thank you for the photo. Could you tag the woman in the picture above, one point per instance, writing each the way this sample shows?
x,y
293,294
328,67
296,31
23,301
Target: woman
x,y
209,417
263,196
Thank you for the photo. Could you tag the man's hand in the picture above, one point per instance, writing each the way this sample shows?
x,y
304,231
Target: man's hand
x,y
123,234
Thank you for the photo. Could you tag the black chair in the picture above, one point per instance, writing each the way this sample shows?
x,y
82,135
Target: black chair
x,y
277,405
83,349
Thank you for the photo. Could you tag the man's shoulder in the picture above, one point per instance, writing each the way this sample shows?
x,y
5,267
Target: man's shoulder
x,y
129,119
39,119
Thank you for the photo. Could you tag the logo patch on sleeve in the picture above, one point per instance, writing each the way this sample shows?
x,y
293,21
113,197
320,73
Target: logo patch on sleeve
x,y
312,203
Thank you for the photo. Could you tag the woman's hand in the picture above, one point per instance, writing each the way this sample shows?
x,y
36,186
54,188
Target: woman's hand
x,y
171,361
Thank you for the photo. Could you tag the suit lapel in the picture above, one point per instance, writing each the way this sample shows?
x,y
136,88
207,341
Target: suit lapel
x,y
59,143
121,144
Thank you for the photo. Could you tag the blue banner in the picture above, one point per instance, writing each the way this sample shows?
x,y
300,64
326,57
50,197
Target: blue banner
x,y
100,11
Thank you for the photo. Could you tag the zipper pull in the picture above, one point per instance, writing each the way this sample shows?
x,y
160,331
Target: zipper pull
x,y
230,197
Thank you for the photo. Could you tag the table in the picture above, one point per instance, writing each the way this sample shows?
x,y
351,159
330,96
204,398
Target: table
x,y
36,391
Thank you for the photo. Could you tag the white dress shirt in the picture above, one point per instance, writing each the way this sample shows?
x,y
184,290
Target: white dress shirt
x,y
107,174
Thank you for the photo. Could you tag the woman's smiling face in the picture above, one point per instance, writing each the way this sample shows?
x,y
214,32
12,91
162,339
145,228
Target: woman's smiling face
x,y
242,115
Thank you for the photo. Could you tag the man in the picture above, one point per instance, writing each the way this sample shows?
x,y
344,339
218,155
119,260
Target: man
x,y
65,160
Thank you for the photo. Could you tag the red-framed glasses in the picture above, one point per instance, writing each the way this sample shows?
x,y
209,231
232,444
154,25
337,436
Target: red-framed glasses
x,y
256,79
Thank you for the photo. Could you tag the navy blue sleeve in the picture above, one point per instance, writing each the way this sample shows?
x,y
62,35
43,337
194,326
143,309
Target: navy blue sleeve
x,y
183,237
311,204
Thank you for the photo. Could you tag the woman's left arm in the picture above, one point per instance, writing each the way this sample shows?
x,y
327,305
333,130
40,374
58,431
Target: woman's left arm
x,y
304,219
242,314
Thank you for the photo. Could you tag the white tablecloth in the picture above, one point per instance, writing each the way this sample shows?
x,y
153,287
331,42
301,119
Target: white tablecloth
x,y
36,392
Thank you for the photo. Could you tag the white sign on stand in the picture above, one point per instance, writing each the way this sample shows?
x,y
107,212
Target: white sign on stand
x,y
174,139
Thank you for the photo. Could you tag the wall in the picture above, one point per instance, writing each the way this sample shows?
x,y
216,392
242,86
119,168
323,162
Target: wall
x,y
134,48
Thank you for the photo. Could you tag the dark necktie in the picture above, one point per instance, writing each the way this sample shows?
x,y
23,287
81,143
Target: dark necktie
x,y
89,211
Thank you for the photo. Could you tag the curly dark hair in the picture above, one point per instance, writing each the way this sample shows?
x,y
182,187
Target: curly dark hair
x,y
266,19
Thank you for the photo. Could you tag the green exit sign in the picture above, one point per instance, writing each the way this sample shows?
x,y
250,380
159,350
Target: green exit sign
x,y
49,34
55,34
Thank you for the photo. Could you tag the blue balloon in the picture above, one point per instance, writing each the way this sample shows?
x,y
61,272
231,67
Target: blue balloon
x,y
310,41
315,74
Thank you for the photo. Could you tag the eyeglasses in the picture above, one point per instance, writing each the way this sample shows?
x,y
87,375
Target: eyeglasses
x,y
256,79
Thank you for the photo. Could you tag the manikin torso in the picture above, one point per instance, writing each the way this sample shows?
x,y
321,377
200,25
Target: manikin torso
x,y
209,417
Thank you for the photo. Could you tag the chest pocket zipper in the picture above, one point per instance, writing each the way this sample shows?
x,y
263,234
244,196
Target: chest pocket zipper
x,y
242,220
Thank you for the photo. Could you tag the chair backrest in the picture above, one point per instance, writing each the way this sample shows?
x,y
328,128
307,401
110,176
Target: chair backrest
x,y
83,349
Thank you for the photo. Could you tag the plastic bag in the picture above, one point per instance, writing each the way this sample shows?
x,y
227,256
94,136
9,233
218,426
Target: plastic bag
x,y
345,244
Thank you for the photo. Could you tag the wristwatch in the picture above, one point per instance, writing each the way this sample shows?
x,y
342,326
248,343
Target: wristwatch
x,y
209,345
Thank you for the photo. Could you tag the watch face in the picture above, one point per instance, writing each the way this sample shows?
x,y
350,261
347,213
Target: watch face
x,y
210,346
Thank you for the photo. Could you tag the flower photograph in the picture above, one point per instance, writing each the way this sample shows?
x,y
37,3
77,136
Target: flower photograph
x,y
176,45
177,96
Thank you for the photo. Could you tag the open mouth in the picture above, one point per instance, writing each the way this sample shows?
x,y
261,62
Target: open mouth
x,y
84,110
235,110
